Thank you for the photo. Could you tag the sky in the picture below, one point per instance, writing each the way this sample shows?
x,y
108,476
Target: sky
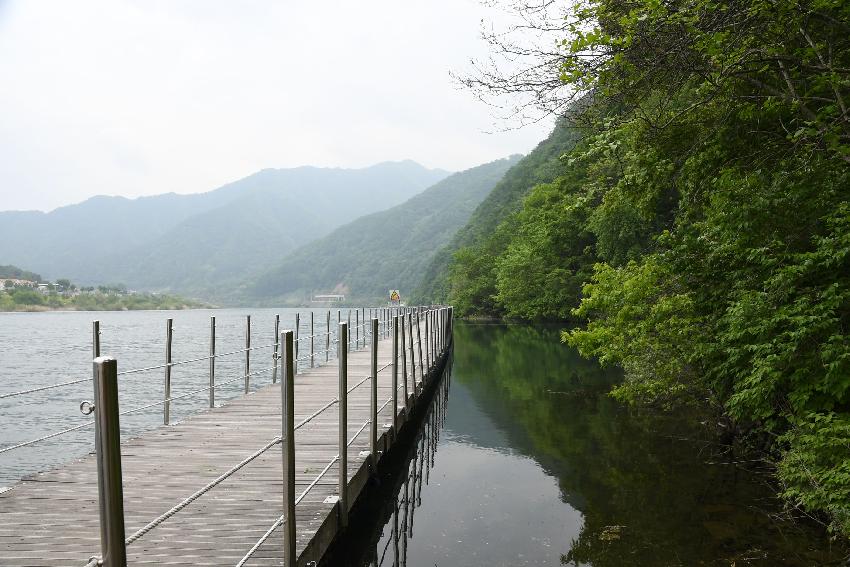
x,y
134,98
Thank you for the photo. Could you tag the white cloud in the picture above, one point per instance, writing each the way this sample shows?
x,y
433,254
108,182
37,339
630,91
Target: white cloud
x,y
137,98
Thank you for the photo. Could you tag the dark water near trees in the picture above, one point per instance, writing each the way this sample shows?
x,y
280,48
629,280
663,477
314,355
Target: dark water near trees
x,y
524,460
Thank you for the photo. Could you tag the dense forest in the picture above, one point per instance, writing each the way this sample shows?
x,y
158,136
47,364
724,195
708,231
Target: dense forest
x,y
696,232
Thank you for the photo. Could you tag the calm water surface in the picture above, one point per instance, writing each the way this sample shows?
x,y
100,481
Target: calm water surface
x,y
527,461
38,349
522,459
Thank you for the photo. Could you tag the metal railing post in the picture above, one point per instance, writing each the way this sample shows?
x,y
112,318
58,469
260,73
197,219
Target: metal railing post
x,y
412,353
434,337
247,352
312,334
166,407
373,397
95,339
419,346
287,437
212,361
437,316
404,365
357,329
276,347
437,329
328,339
343,425
427,342
108,449
443,329
296,341
437,333
395,375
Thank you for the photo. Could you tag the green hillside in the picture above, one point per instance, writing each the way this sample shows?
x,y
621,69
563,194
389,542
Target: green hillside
x,y
698,236
203,244
541,165
385,250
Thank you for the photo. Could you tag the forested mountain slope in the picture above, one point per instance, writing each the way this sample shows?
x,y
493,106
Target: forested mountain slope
x,y
698,235
541,165
385,250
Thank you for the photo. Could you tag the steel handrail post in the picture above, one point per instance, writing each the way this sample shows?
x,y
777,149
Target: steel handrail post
x,y
395,375
108,450
166,407
287,436
276,347
343,424
373,397
212,361
247,352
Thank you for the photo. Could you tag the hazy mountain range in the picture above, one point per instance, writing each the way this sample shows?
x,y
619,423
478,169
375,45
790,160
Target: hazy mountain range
x,y
209,245
384,250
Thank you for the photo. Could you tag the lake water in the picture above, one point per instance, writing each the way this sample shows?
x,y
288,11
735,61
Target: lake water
x,y
37,349
522,459
533,464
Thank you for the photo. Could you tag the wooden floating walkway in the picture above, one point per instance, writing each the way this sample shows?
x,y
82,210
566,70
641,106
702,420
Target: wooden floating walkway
x,y
53,518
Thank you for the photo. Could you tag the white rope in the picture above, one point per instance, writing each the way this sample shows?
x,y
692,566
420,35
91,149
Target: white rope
x,y
157,521
280,521
46,437
42,388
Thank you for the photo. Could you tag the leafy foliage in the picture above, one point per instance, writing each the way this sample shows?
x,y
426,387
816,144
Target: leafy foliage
x,y
708,214
542,165
815,470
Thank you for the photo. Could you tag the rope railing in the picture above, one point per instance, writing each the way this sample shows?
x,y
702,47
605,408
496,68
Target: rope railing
x,y
280,521
181,362
46,437
192,360
359,431
168,399
200,492
43,388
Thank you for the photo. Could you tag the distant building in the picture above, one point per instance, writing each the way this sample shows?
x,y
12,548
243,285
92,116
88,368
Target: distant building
x,y
328,298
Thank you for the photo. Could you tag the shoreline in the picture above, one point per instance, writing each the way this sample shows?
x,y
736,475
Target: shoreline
x,y
70,309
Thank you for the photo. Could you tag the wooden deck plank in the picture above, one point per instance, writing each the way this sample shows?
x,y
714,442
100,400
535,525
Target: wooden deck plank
x,y
51,518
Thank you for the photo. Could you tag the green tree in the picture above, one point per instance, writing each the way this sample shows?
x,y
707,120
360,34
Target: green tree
x,y
713,189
